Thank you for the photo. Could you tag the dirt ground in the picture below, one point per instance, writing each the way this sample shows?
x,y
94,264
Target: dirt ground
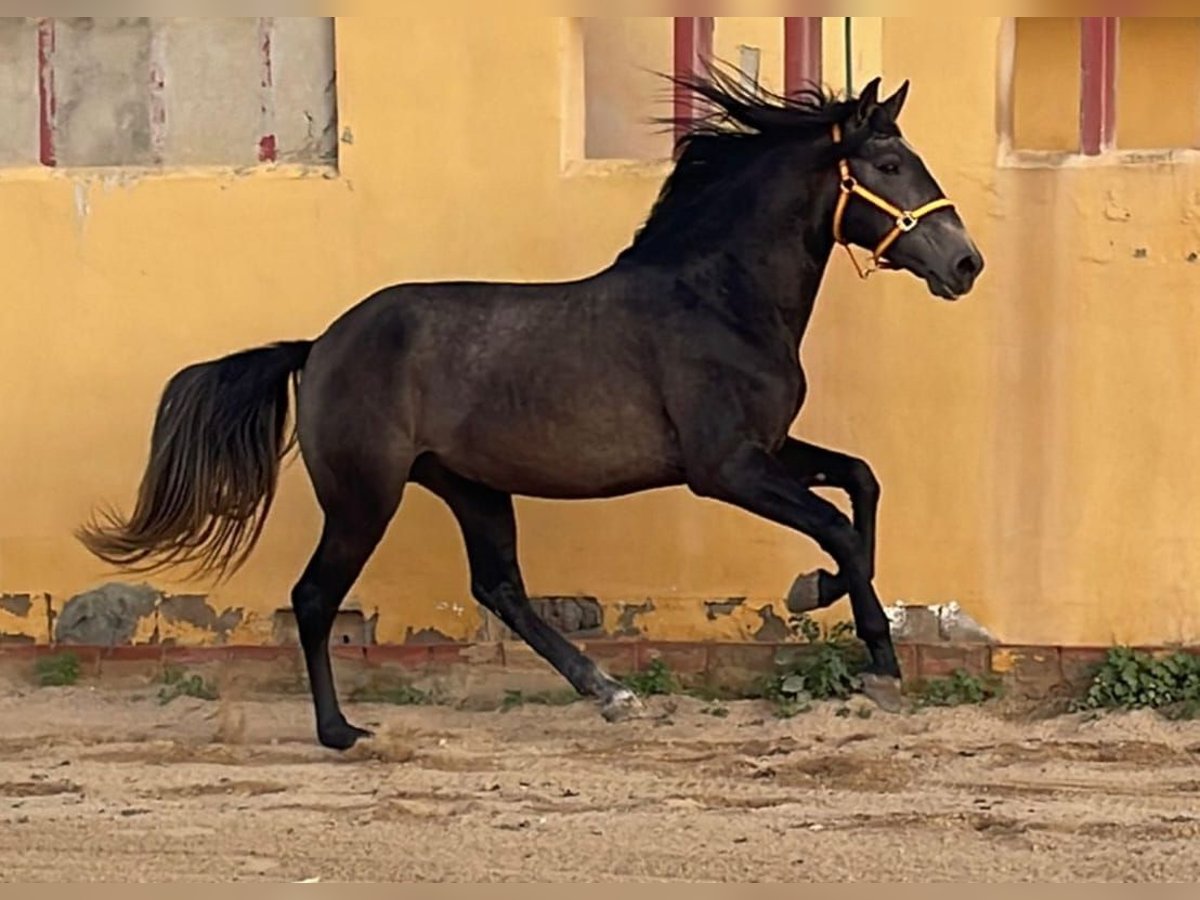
x,y
101,785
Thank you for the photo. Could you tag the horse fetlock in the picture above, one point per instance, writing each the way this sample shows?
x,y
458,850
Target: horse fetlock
x,y
621,705
341,735
884,691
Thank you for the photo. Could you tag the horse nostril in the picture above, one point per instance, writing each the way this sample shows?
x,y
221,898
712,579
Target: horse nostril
x,y
970,265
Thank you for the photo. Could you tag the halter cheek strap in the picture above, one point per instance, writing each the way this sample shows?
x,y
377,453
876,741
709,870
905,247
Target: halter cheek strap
x,y
905,220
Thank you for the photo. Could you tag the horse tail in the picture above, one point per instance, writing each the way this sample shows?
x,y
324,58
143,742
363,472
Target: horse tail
x,y
220,436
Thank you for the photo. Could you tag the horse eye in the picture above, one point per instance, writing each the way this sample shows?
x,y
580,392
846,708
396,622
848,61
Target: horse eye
x,y
890,168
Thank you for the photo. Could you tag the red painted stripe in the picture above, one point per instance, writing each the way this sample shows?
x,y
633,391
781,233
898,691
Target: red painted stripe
x,y
47,98
693,43
1098,71
158,86
803,52
268,145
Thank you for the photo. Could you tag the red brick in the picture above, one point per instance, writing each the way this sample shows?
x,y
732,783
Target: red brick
x,y
736,667
757,659
85,654
349,653
520,657
940,661
399,655
910,665
89,658
790,656
18,652
487,653
614,657
195,656
444,655
1079,664
1035,669
140,653
683,658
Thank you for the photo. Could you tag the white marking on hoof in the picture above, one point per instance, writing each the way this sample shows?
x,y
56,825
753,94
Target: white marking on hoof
x,y
884,692
805,595
621,706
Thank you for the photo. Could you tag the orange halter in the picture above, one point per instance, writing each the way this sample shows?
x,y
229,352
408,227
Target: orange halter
x,y
906,220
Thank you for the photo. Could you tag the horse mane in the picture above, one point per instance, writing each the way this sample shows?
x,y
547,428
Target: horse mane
x,y
733,125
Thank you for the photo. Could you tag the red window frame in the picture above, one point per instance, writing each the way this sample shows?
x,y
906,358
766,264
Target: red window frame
x,y
694,43
1098,84
803,52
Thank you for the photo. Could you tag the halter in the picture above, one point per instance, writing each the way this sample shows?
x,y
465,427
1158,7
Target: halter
x,y
905,220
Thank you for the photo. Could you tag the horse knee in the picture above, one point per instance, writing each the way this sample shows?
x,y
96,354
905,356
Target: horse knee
x,y
861,479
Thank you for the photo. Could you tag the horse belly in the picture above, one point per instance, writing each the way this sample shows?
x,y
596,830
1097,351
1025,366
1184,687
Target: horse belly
x,y
567,453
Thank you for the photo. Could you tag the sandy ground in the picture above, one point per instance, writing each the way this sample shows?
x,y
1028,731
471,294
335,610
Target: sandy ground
x,y
98,785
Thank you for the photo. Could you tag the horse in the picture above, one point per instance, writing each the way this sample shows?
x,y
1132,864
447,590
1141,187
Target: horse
x,y
677,365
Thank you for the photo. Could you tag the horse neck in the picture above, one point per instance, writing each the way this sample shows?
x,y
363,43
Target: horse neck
x,y
781,266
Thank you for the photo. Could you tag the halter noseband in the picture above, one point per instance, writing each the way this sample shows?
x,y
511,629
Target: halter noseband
x,y
905,220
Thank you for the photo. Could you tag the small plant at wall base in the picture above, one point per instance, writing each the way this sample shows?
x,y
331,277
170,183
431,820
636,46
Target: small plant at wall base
x,y
178,683
960,689
658,680
1132,679
60,670
829,668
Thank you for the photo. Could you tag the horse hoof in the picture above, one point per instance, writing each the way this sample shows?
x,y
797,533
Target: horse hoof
x,y
805,595
884,692
622,706
343,736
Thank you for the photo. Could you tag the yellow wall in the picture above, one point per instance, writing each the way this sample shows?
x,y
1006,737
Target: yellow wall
x,y
1036,442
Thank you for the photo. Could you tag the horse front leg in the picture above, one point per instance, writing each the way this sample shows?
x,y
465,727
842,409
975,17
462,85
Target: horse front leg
x,y
817,467
758,482
489,530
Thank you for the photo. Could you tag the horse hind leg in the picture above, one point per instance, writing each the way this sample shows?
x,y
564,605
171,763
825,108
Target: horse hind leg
x,y
489,530
357,514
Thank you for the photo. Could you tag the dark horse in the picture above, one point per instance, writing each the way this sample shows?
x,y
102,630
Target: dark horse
x,y
676,365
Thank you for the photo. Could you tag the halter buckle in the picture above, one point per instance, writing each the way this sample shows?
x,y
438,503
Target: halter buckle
x,y
849,183
907,222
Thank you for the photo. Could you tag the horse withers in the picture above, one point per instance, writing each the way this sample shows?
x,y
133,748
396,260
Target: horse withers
x,y
677,365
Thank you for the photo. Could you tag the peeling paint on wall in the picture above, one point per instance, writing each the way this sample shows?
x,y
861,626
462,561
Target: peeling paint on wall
x,y
109,616
578,616
936,623
350,629
19,605
719,609
627,625
426,636
774,630
25,618
193,613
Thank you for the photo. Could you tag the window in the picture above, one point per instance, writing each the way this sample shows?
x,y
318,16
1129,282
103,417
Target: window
x,y
167,91
623,58
622,88
1158,83
1095,84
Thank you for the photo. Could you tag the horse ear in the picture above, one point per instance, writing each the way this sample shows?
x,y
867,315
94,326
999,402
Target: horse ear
x,y
894,104
868,100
